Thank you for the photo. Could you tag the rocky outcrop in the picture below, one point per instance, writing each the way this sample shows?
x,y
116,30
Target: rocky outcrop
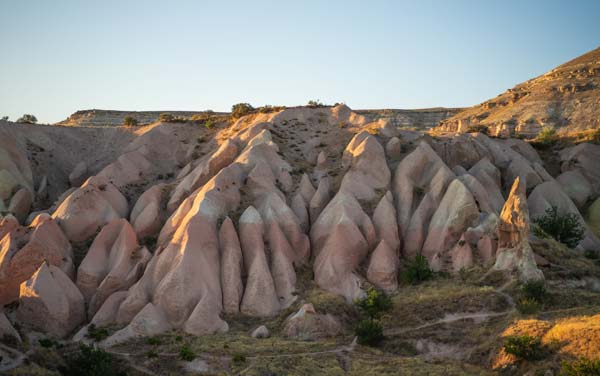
x,y
50,302
113,263
420,181
514,252
83,213
308,325
24,249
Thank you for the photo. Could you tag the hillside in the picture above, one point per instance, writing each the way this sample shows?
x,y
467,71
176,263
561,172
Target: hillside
x,y
241,246
567,98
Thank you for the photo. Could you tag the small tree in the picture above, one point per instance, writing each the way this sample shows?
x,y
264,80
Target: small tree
x,y
241,109
374,304
27,118
524,347
315,103
547,136
4,118
417,270
564,228
369,332
130,121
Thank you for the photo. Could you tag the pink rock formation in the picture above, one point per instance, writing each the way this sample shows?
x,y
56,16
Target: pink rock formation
x,y
393,148
420,181
147,211
260,296
79,174
383,267
20,203
49,301
114,262
576,186
455,214
319,199
83,213
231,267
307,325
24,249
514,252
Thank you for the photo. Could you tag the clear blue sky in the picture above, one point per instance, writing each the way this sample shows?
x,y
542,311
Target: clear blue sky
x,y
60,56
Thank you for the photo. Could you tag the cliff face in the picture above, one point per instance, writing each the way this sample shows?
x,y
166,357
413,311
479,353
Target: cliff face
x,y
567,97
415,119
96,118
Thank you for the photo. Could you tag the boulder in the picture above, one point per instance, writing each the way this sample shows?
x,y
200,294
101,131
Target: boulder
x,y
50,302
307,325
20,203
231,267
261,332
114,262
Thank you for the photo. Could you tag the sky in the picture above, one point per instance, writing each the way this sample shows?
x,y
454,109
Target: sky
x,y
60,56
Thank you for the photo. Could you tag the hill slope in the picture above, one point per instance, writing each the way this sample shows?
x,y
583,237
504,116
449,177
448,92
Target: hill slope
x,y
567,97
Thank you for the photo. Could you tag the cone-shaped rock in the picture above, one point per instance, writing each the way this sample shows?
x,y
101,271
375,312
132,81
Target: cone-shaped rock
x,y
231,267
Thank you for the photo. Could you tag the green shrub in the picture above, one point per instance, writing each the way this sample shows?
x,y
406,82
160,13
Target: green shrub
x,y
97,334
528,306
315,104
27,118
547,136
241,109
535,290
580,367
185,353
154,341
566,228
369,332
374,303
151,354
417,270
524,347
479,128
130,121
239,359
166,118
89,361
48,343
210,123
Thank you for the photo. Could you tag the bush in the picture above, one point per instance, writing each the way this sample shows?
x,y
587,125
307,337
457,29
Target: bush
x,y
166,118
315,104
564,228
374,304
580,367
210,123
185,353
97,334
154,341
528,306
535,290
27,118
547,136
89,361
49,342
239,359
479,128
241,109
524,347
369,332
130,121
417,270
4,118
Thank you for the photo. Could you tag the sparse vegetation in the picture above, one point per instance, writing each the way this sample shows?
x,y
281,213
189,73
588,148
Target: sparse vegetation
x,y
209,124
535,290
238,359
478,128
89,361
97,334
27,118
166,118
5,118
241,109
185,353
564,228
528,306
369,332
546,137
374,304
524,347
416,270
130,121
580,367
315,103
